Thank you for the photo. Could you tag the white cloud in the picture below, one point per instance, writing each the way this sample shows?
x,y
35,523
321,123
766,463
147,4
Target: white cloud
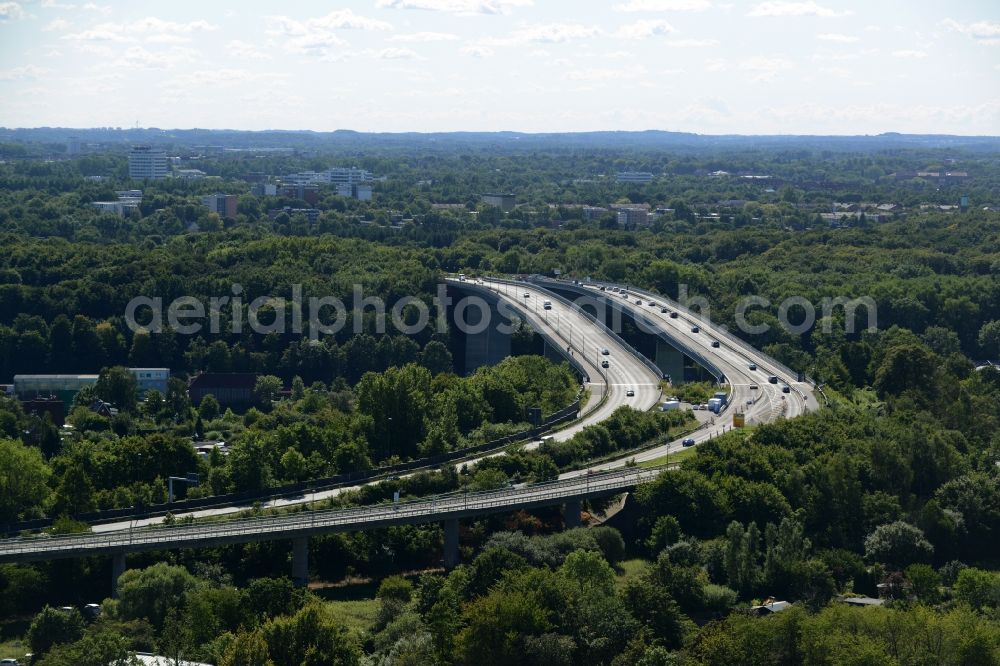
x,y
425,37
644,29
245,51
984,32
783,8
663,6
137,57
103,33
457,6
100,9
691,43
606,74
909,54
394,53
477,52
554,32
22,73
151,28
316,37
836,37
10,11
763,68
56,24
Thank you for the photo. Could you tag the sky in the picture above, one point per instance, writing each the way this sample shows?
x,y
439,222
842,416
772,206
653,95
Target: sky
x,y
705,66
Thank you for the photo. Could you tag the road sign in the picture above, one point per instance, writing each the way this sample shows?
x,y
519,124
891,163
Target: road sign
x,y
739,420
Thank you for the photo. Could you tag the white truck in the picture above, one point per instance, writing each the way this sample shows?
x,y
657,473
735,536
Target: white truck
x,y
670,405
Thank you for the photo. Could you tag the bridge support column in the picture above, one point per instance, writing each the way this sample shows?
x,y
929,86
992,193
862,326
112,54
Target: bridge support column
x,y
117,569
571,514
300,561
451,543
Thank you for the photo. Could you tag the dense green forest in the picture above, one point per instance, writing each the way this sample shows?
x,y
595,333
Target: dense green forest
x,y
891,490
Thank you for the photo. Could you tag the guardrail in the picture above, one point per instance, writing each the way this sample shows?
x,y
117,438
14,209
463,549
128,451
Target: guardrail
x,y
682,346
307,487
718,330
594,320
314,522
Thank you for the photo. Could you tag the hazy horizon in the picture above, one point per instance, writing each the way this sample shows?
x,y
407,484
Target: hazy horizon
x,y
772,67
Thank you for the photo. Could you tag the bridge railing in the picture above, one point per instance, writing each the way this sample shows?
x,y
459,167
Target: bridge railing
x,y
316,485
276,527
745,346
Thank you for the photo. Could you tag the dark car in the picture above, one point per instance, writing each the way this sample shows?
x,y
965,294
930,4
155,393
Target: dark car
x,y
753,366
604,364
664,310
688,442
673,315
772,379
715,343
786,389
695,329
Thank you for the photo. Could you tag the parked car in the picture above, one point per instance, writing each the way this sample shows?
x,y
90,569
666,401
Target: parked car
x,y
689,441
754,387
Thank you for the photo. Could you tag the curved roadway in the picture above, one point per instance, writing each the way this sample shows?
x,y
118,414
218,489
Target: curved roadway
x,y
610,387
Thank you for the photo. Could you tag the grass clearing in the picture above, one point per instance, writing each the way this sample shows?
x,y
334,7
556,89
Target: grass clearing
x,y
630,570
675,457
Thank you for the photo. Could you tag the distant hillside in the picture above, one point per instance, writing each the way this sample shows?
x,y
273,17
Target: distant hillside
x,y
347,139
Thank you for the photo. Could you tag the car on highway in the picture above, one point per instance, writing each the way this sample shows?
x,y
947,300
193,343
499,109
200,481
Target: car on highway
x,y
629,393
753,366
695,329
772,379
527,295
715,344
604,288
547,305
673,315
605,352
664,310
688,441
638,301
749,401
754,387
651,304
786,389
604,364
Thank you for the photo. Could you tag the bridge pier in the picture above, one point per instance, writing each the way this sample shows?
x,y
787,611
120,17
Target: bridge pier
x,y
451,543
571,514
300,561
117,569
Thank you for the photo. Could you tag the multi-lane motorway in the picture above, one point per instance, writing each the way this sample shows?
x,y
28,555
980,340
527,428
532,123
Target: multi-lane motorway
x,y
586,339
